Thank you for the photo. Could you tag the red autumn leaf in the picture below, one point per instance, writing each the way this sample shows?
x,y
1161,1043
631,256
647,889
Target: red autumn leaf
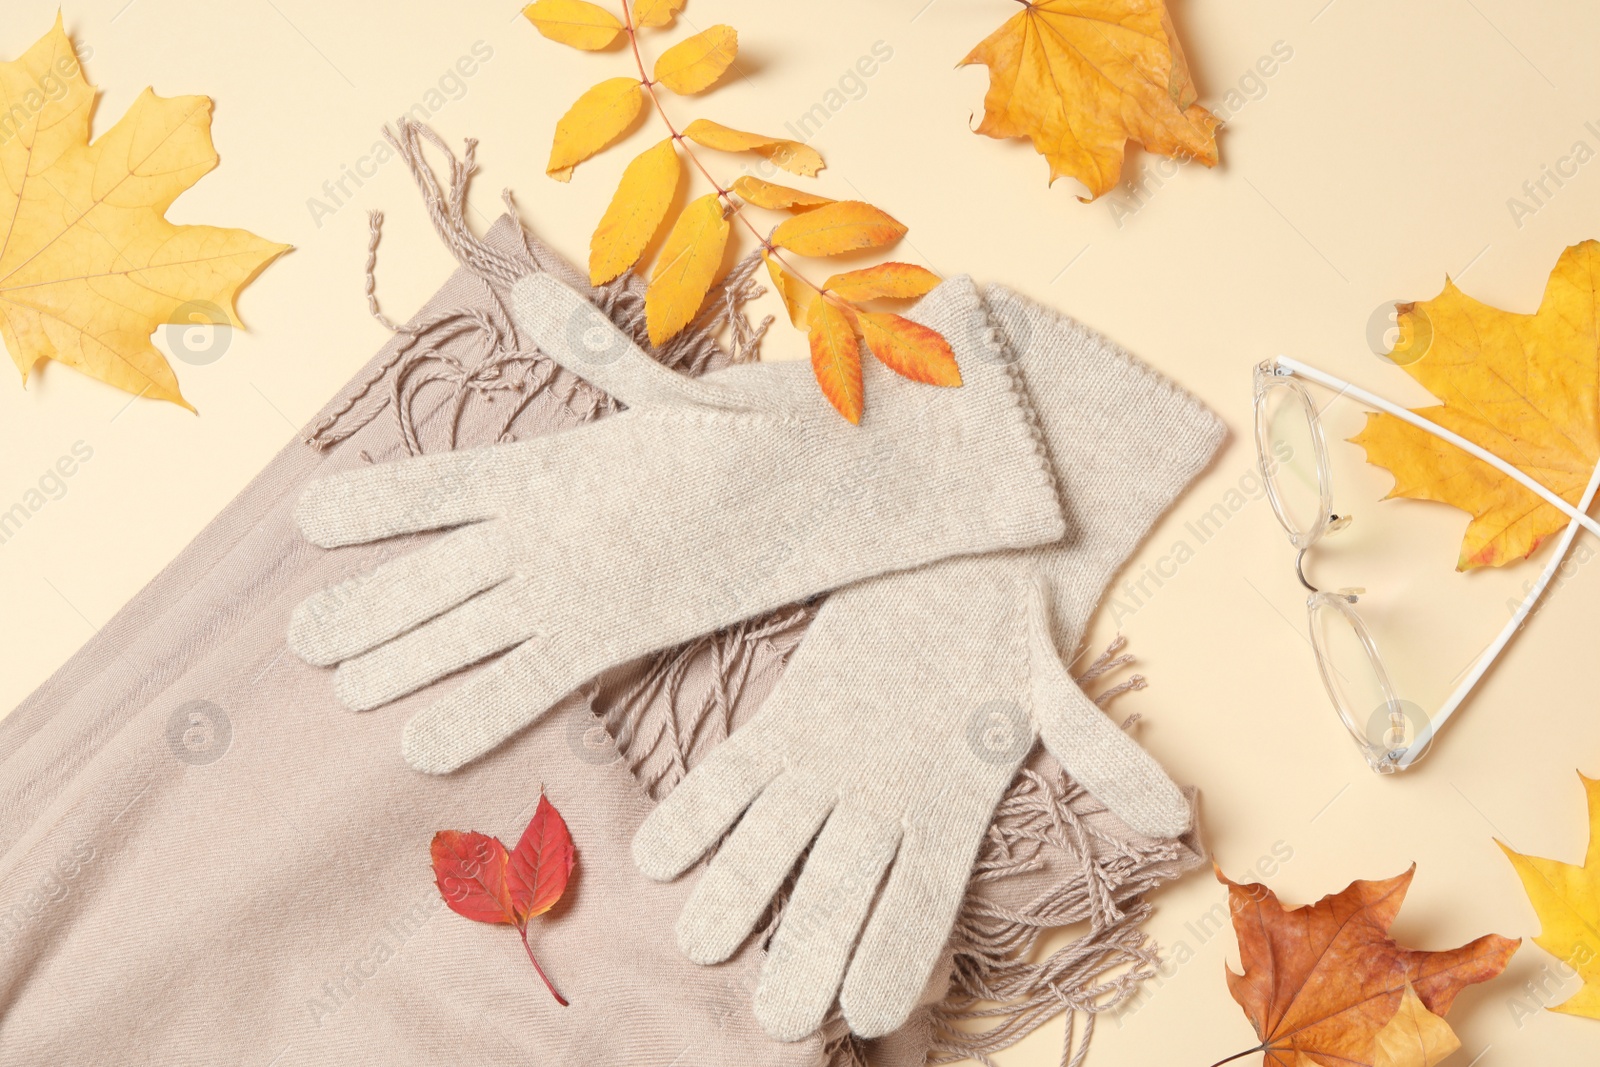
x,y
470,870
541,863
479,879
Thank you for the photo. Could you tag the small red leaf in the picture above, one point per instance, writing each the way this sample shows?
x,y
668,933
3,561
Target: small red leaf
x,y
470,870
541,863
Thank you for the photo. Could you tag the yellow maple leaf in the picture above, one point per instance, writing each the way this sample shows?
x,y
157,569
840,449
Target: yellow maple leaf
x,y
635,213
1080,78
688,265
1415,1037
1567,900
89,265
1524,387
694,65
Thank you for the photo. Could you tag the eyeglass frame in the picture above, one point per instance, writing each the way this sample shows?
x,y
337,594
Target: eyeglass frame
x,y
1266,375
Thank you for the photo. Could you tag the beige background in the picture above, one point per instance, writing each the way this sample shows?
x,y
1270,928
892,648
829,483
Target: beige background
x,y
1375,159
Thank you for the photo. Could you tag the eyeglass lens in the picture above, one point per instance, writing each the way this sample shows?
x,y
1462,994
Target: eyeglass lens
x,y
1289,459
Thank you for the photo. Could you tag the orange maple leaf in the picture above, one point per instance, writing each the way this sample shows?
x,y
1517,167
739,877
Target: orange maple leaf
x,y
1080,78
1320,982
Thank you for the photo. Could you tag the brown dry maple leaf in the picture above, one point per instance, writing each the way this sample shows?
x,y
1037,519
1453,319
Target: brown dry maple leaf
x,y
1321,981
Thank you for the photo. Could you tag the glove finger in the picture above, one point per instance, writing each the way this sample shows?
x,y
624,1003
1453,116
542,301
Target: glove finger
x,y
694,815
423,493
830,901
747,870
1092,748
364,611
909,927
474,631
492,707
580,337
1103,759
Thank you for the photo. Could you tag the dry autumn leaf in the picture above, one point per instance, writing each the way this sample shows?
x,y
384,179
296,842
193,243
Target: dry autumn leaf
x,y
601,115
635,213
1415,1037
836,357
655,12
694,65
797,296
483,881
90,267
845,226
776,197
1524,387
692,253
687,267
1567,900
792,156
575,22
541,864
1319,983
908,348
1080,78
470,870
886,281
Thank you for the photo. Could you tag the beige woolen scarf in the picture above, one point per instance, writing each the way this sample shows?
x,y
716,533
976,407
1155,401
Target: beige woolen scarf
x,y
204,859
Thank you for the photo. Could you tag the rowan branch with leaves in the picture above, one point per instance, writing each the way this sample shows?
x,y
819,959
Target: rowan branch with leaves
x,y
690,257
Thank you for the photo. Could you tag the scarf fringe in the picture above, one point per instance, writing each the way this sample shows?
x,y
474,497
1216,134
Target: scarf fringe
x,y
501,369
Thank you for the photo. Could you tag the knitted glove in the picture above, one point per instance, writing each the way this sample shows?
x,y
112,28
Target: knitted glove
x,y
707,501
906,711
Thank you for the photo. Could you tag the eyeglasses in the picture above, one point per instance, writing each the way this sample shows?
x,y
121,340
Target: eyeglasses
x,y
1391,733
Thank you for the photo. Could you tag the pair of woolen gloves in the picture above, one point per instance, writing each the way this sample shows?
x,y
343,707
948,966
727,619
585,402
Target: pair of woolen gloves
x,y
965,536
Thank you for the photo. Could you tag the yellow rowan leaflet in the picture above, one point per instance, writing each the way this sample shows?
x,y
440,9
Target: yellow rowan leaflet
x,y
643,198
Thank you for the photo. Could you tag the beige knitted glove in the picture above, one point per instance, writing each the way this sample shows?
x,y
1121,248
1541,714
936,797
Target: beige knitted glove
x,y
708,501
906,711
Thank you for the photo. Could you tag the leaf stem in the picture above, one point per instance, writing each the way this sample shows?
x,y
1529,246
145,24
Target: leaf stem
x,y
737,211
561,1000
1239,1055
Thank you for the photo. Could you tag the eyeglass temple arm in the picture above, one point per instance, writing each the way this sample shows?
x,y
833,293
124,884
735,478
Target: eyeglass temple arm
x,y
1490,654
1476,451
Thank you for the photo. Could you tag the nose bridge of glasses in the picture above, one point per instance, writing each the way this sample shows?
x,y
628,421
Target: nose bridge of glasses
x,y
1349,594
